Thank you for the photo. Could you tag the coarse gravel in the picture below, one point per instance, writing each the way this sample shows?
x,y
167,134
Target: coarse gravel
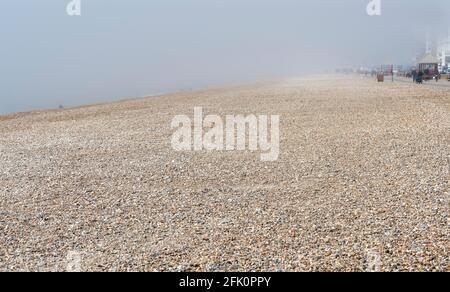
x,y
361,183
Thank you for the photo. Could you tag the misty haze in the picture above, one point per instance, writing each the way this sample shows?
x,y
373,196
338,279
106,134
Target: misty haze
x,y
118,50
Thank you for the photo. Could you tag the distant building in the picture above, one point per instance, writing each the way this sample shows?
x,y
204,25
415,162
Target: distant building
x,y
428,64
443,52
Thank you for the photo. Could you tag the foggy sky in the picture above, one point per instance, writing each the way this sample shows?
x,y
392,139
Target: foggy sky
x,y
119,49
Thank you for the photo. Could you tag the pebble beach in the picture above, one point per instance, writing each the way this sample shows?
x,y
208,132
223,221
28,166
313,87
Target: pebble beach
x,y
361,183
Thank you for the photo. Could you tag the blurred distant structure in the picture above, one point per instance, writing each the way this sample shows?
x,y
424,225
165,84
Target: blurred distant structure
x,y
443,52
436,52
429,63
428,49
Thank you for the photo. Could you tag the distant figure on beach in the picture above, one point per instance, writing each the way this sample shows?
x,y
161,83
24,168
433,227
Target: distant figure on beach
x,y
437,77
419,79
414,75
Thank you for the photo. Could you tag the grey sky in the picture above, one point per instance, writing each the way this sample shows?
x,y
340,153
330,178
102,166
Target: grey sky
x,y
130,48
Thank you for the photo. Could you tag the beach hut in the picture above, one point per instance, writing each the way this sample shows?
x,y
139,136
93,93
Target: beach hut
x,y
429,65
